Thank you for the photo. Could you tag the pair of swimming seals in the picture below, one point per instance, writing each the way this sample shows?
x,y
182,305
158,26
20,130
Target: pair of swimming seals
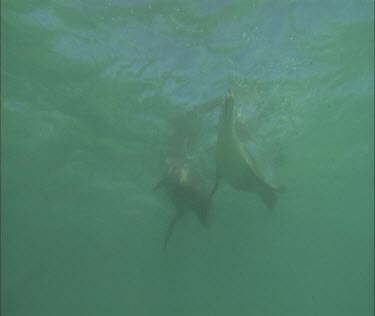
x,y
233,164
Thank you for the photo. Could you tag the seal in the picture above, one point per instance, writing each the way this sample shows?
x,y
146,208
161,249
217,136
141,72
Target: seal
x,y
184,184
187,194
237,166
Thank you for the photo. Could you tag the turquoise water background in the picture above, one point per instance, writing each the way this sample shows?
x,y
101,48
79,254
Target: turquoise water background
x,y
90,96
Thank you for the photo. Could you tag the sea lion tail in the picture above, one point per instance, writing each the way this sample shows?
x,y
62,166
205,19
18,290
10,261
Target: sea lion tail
x,y
216,185
204,215
170,229
269,195
278,188
282,189
269,198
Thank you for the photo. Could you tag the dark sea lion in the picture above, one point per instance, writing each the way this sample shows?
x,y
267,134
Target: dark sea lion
x,y
235,165
187,195
185,186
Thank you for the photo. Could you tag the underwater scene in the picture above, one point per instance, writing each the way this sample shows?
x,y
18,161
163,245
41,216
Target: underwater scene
x,y
187,158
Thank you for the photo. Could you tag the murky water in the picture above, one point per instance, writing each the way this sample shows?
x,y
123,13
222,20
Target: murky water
x,y
93,98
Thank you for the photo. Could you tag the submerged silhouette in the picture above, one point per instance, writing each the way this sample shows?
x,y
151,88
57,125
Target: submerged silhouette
x,y
237,166
186,194
185,186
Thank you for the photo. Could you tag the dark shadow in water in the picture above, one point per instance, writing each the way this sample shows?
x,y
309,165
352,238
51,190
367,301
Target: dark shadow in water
x,y
184,183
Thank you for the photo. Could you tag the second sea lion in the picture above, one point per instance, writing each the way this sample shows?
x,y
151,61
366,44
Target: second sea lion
x,y
237,166
187,195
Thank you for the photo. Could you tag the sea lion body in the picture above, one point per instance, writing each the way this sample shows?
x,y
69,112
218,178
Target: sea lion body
x,y
187,193
184,184
234,164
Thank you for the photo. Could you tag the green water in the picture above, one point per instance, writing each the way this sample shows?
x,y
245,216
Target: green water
x,y
90,95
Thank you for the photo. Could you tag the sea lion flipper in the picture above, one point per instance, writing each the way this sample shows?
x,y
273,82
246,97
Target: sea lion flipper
x,y
171,227
269,198
269,194
282,188
203,217
216,185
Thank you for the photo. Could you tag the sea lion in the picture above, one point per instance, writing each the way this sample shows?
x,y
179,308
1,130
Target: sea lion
x,y
186,187
187,194
183,183
237,166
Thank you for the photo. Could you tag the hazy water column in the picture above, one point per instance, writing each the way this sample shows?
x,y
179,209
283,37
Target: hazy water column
x,y
88,90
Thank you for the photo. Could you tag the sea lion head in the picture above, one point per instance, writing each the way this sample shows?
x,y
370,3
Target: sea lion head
x,y
180,172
